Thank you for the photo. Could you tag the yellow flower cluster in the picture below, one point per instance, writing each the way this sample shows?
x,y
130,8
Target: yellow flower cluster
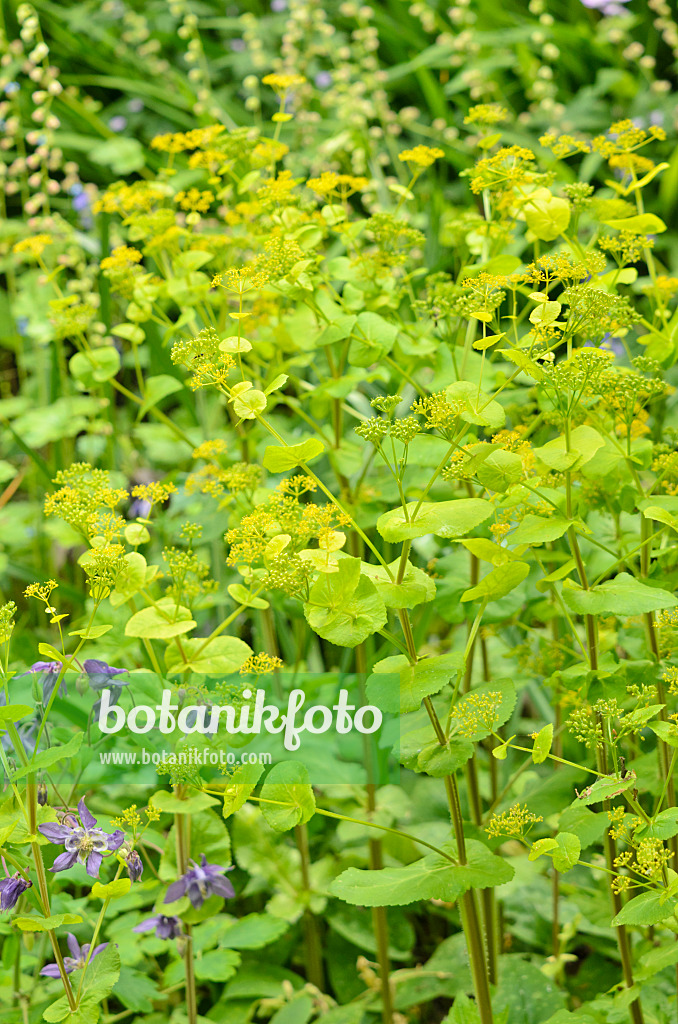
x,y
513,822
260,665
331,183
421,156
34,246
179,142
280,83
194,200
123,257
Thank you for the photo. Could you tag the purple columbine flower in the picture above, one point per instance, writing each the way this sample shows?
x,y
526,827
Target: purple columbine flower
x,y
49,674
199,883
85,842
165,927
99,674
76,960
11,889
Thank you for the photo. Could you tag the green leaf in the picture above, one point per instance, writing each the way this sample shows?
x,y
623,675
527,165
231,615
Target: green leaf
x,y
567,853
95,366
647,909
278,459
442,518
345,607
606,788
156,389
46,758
161,621
499,582
14,712
475,406
499,470
112,890
547,216
240,785
415,682
91,632
217,965
667,732
584,443
623,595
640,224
287,784
432,877
439,761
539,530
373,337
241,595
253,932
218,657
416,586
45,924
542,744
664,826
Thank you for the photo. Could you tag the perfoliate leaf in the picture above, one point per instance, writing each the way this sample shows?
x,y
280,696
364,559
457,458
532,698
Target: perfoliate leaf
x,y
292,801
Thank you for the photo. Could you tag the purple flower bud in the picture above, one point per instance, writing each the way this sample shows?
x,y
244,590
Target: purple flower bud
x,y
11,889
323,80
135,866
118,123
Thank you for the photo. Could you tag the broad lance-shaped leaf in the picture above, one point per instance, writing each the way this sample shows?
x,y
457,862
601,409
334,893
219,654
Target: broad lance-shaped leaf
x,y
498,583
539,529
396,686
647,909
432,877
47,758
443,518
623,595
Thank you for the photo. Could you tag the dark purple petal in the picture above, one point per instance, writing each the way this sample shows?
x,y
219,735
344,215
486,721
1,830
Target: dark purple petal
x,y
94,862
56,833
176,891
86,817
222,887
64,861
116,839
52,971
74,946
